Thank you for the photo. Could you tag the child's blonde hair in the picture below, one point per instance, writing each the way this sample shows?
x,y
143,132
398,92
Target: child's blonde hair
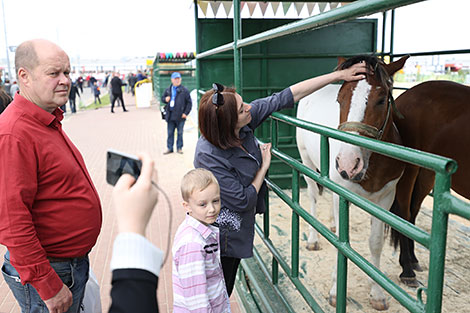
x,y
196,179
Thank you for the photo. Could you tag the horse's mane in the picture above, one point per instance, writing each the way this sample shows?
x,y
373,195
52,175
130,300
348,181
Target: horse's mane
x,y
375,63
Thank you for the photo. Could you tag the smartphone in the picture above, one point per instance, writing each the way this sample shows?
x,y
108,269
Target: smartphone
x,y
118,163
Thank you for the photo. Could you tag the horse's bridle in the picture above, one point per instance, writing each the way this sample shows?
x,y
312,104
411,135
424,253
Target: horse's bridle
x,y
369,130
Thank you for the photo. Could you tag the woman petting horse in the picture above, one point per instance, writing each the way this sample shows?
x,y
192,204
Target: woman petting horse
x,y
230,151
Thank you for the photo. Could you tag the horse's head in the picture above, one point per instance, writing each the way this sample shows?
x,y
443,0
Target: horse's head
x,y
365,109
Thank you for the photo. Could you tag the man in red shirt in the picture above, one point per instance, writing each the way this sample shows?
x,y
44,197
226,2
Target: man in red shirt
x,y
50,212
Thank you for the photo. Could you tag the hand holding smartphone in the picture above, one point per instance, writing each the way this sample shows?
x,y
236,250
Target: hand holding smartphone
x,y
118,163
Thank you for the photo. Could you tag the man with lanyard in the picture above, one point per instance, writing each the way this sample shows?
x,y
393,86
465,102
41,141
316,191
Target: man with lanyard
x,y
178,105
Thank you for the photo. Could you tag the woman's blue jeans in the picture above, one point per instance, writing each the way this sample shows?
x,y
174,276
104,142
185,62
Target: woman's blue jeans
x,y
74,274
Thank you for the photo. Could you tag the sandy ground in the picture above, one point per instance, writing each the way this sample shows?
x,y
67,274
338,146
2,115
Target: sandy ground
x,y
316,266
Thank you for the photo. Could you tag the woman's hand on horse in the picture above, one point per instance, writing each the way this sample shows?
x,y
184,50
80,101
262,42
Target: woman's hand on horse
x,y
355,72
266,154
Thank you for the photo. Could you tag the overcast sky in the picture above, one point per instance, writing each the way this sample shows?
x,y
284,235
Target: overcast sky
x,y
118,28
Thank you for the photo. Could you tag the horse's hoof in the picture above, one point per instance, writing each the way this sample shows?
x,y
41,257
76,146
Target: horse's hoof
x,y
313,246
379,305
417,267
410,281
332,301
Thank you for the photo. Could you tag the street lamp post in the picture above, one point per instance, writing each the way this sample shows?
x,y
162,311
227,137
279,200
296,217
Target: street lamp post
x,y
10,76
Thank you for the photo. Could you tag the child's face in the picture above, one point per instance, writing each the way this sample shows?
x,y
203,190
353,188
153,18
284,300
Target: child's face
x,y
204,205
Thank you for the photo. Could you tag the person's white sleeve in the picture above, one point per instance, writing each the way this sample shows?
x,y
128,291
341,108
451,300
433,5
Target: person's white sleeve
x,y
131,250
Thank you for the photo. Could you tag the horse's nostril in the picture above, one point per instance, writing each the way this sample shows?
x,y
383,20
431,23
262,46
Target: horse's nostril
x,y
357,163
344,175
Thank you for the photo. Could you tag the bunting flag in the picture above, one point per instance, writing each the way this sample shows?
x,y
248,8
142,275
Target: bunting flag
x,y
242,4
298,7
275,6
344,3
263,6
203,5
322,6
251,7
310,7
333,5
215,7
227,6
286,6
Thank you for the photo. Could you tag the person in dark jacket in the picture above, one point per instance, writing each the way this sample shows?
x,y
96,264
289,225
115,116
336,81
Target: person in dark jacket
x,y
116,92
5,100
135,262
178,105
228,148
72,96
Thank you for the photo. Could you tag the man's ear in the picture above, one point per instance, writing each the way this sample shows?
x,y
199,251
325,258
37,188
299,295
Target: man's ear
x,y
24,76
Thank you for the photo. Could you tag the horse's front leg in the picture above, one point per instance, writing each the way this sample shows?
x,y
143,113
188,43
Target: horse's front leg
x,y
313,193
376,242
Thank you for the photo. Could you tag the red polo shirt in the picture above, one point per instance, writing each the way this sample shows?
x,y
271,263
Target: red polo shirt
x,y
48,204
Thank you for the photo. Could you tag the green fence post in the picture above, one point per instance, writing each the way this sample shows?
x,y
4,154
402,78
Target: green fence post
x,y
324,156
237,53
438,244
295,224
198,62
342,271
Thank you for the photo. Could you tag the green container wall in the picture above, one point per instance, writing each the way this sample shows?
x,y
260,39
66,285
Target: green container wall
x,y
276,64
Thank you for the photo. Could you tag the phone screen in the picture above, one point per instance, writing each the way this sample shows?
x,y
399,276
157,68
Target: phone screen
x,y
118,163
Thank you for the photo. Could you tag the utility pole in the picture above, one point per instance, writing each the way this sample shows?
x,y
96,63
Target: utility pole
x,y
10,76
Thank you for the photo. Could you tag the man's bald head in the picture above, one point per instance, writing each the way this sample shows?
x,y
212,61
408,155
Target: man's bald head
x,y
43,70
28,53
26,56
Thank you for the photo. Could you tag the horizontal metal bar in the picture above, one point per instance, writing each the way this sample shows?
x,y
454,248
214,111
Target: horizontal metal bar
x,y
420,158
220,49
266,273
456,206
286,55
254,283
351,11
405,227
462,51
285,267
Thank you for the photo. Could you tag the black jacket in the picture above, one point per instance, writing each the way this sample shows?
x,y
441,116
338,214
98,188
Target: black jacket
x,y
116,85
133,290
183,103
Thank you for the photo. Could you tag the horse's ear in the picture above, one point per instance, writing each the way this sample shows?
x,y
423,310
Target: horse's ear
x,y
393,67
341,60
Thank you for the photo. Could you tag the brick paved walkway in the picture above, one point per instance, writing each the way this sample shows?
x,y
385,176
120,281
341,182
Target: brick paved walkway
x,y
93,132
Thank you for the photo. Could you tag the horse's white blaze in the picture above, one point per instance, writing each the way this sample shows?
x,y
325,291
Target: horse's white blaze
x,y
349,154
358,105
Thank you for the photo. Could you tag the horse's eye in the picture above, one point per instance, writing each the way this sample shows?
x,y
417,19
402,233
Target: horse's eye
x,y
381,101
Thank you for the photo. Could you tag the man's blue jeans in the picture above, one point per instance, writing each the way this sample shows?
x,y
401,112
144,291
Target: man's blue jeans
x,y
179,126
74,274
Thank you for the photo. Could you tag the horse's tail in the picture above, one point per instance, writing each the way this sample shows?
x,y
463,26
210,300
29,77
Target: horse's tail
x,y
395,235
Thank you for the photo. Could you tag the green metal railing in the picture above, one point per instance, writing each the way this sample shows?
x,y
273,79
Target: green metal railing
x,y
444,204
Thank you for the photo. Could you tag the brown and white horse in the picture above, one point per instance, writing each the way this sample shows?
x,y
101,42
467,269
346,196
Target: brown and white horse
x,y
365,108
437,120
